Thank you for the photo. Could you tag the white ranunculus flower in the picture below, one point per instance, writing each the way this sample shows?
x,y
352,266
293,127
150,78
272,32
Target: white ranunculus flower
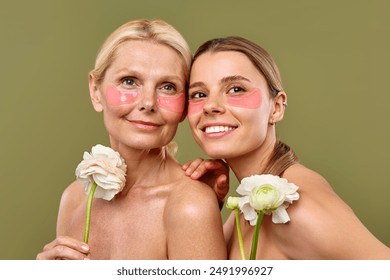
x,y
106,168
267,193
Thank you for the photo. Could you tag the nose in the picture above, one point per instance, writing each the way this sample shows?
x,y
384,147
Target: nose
x,y
147,100
214,105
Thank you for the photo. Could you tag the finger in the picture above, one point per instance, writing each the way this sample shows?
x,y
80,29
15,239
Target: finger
x,y
66,242
217,164
209,165
212,164
222,187
185,165
72,243
199,171
193,165
204,167
61,252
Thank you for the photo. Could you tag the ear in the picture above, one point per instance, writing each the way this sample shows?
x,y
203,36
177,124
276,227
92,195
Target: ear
x,y
279,107
95,94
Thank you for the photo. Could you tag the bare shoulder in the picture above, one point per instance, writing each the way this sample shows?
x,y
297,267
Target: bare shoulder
x,y
321,222
317,197
191,202
192,197
301,175
71,199
193,222
72,195
313,186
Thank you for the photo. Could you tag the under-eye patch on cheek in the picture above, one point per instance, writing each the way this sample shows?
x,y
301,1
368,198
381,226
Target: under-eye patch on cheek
x,y
115,97
251,100
195,107
172,103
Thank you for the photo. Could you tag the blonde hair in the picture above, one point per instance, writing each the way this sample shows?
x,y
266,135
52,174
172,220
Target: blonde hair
x,y
157,31
282,156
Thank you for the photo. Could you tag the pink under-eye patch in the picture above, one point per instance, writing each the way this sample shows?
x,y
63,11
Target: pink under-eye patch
x,y
115,97
195,106
252,100
172,103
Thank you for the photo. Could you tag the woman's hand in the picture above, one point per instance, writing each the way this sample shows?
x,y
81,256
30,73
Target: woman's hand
x,y
64,248
213,172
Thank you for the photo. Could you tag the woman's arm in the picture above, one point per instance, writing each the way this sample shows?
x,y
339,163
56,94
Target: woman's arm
x,y
65,247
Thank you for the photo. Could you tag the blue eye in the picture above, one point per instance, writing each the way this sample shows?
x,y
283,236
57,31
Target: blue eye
x,y
128,82
168,87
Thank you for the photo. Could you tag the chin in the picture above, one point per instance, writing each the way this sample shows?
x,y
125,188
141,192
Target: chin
x,y
216,153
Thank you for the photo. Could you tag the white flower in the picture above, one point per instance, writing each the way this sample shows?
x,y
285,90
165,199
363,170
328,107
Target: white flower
x,y
268,193
232,202
105,167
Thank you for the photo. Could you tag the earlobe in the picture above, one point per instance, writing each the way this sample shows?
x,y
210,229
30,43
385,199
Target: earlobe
x,y
279,107
95,94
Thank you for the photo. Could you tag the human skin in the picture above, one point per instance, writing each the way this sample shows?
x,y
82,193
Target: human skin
x,y
160,213
322,226
115,97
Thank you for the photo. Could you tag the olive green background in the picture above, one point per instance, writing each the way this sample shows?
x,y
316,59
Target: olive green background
x,y
333,56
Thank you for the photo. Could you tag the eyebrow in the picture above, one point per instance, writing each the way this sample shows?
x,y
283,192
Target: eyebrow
x,y
136,73
196,84
233,79
224,80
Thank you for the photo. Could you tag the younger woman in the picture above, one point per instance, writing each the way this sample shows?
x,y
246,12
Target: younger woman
x,y
235,100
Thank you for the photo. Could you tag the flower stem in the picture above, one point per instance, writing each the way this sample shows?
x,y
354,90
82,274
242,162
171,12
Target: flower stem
x,y
239,233
89,208
255,239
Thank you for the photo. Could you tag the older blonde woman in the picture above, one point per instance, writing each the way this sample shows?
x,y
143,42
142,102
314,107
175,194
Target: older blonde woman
x,y
139,84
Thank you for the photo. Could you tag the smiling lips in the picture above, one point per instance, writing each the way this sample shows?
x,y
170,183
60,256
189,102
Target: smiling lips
x,y
218,129
144,125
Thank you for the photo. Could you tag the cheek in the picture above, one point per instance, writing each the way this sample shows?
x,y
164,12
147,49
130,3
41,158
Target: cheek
x,y
173,104
192,121
251,100
115,97
195,107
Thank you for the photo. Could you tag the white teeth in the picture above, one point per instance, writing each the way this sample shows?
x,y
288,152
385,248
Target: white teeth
x,y
215,129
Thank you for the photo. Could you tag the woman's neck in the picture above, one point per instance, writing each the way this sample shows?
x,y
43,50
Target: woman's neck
x,y
254,162
146,167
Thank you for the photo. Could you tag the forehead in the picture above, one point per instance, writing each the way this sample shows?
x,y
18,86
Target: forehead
x,y
224,63
148,54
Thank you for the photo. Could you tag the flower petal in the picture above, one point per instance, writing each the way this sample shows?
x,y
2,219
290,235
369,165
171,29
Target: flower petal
x,y
280,216
249,213
244,188
105,167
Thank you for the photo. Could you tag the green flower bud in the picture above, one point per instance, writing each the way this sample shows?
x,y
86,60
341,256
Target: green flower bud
x,y
232,202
